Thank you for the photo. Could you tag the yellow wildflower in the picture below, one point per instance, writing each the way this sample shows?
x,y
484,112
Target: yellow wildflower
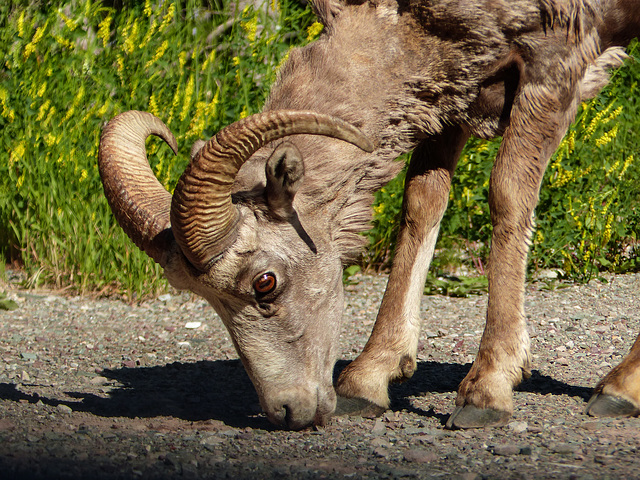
x,y
50,139
159,53
147,8
250,27
153,106
275,5
188,93
182,60
614,114
625,166
20,181
607,137
104,30
212,107
7,112
615,165
314,30
69,113
149,34
69,22
52,112
244,113
596,120
42,89
17,153
64,42
21,24
83,175
31,46
42,110
209,60
103,109
166,20
130,38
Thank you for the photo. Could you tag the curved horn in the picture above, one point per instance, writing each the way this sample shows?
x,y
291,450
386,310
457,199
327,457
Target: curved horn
x,y
203,217
138,201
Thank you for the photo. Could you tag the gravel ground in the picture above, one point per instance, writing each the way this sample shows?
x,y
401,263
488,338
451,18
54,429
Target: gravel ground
x,y
97,388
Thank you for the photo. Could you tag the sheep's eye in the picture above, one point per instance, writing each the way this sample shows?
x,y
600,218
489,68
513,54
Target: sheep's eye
x,y
265,283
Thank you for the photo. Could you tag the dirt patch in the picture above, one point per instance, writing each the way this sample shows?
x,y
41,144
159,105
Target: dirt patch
x,y
101,389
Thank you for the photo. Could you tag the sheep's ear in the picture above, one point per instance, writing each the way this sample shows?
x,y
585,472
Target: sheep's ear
x,y
285,171
326,10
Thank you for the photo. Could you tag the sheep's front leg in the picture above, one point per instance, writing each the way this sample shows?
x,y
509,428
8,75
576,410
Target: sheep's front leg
x,y
536,128
390,353
618,394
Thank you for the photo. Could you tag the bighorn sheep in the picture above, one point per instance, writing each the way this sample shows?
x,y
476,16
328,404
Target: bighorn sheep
x,y
265,244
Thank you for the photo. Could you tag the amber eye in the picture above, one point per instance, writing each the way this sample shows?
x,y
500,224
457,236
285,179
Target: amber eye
x,y
265,283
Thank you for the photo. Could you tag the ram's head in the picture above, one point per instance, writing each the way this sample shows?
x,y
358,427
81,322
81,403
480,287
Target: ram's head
x,y
273,276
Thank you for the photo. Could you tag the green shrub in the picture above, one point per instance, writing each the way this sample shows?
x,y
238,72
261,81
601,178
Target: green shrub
x,y
70,67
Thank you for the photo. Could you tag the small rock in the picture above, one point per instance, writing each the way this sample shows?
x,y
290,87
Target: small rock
x,y
518,427
505,450
164,298
379,428
379,442
380,452
99,380
192,325
591,426
212,442
564,448
184,344
66,409
28,356
604,459
25,377
419,455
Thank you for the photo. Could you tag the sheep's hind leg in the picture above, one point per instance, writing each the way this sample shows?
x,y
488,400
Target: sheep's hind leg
x,y
618,394
390,353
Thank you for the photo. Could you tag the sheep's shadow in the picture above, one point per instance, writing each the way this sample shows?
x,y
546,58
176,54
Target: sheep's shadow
x,y
221,390
433,377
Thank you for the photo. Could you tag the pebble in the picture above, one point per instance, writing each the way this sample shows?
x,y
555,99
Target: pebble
x,y
564,448
379,428
99,380
505,450
62,408
420,455
518,427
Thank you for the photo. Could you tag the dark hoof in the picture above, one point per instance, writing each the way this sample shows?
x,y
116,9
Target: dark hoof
x,y
603,405
358,407
473,417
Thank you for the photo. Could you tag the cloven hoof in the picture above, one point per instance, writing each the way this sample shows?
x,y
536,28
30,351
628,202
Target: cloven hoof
x,y
357,407
603,405
469,416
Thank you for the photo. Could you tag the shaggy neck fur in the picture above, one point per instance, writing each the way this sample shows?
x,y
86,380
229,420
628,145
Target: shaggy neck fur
x,y
400,71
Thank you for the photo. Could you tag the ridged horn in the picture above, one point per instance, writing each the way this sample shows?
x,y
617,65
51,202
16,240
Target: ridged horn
x,y
139,202
203,217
